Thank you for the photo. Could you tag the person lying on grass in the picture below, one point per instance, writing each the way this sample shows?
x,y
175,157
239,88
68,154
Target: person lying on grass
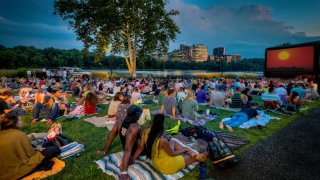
x,y
167,156
241,117
129,132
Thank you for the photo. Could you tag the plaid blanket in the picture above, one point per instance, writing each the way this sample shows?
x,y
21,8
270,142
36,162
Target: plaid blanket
x,y
142,169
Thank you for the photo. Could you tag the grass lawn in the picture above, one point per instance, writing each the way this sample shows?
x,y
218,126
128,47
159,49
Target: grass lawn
x,y
84,167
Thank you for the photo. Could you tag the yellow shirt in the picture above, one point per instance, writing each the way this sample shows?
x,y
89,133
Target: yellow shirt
x,y
17,156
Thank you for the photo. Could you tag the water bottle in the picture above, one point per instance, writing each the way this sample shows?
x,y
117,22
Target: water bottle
x,y
203,169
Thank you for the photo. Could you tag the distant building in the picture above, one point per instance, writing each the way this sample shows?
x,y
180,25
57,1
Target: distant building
x,y
187,51
236,57
219,52
228,58
211,58
200,52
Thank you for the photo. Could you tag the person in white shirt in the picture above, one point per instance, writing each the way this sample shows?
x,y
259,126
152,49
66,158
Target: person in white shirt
x,y
135,96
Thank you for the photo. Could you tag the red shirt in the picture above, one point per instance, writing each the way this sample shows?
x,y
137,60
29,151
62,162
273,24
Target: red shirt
x,y
89,109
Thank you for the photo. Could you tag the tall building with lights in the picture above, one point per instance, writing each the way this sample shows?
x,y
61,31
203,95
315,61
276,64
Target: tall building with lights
x,y
200,52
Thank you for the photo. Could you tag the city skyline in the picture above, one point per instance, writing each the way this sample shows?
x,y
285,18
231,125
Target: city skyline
x,y
245,27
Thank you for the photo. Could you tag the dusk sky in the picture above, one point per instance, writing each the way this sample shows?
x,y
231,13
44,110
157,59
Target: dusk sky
x,y
242,26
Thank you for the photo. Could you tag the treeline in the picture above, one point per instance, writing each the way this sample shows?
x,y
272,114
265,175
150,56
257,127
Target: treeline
x,y
31,57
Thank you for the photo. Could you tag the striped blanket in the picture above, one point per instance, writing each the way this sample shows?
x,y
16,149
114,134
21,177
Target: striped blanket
x,y
70,150
142,169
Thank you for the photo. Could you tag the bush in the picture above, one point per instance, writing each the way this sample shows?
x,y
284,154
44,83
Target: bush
x,y
105,75
228,76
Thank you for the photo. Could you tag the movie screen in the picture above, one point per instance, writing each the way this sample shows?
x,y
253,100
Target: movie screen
x,y
299,59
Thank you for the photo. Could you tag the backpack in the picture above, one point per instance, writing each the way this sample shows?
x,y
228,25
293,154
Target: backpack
x,y
221,155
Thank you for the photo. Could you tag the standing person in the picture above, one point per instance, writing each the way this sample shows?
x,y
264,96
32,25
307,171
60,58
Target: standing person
x,y
18,157
122,109
28,73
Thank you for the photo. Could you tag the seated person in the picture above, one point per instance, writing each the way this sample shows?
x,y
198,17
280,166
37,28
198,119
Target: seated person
x,y
167,156
4,107
6,94
217,98
48,108
146,89
245,97
114,105
181,96
293,99
190,107
135,96
271,96
236,101
300,90
169,104
201,95
240,117
90,103
20,158
122,109
129,132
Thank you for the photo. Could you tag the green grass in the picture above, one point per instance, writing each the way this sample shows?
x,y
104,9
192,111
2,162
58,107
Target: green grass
x,y
84,167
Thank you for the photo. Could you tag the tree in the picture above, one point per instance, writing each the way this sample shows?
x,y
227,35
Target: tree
x,y
130,27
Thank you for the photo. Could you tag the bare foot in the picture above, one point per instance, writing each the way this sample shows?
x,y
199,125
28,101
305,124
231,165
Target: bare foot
x,y
34,121
101,152
229,128
221,126
50,122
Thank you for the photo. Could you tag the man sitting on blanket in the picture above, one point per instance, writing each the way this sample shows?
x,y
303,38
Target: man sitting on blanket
x,y
129,131
241,117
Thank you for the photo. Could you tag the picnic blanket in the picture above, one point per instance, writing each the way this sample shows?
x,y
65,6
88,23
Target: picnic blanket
x,y
232,141
142,169
198,122
264,119
57,167
70,150
101,121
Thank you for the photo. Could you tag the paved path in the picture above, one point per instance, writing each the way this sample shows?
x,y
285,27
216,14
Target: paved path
x,y
291,153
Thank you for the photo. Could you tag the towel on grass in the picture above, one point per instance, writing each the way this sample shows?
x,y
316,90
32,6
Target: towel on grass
x,y
57,167
264,119
198,122
142,169
70,150
102,121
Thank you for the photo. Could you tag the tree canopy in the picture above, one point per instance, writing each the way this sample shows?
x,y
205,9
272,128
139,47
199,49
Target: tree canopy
x,y
130,27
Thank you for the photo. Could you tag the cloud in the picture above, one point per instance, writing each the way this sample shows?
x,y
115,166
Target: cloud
x,y
235,28
41,35
33,27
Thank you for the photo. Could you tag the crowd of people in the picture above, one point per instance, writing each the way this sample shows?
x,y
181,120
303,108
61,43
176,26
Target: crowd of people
x,y
47,98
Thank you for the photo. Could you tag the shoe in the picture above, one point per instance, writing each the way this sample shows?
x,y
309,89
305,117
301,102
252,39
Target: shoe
x,y
175,129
